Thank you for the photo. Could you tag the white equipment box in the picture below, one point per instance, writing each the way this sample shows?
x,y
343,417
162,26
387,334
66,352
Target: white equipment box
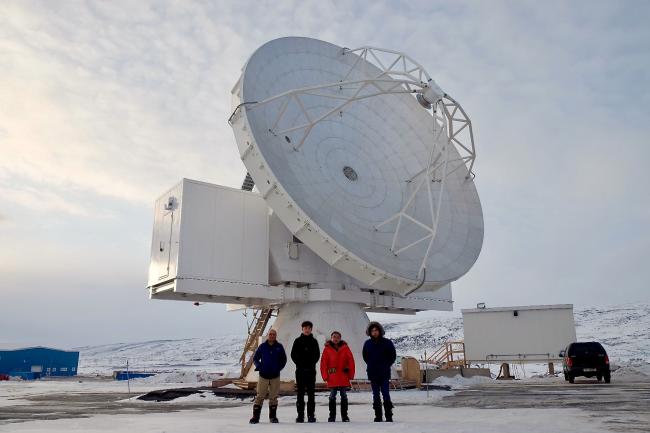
x,y
211,240
518,334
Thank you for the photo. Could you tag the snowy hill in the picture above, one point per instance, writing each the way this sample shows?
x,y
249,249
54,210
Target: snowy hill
x,y
624,331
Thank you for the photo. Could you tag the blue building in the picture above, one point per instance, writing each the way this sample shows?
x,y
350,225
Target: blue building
x,y
37,362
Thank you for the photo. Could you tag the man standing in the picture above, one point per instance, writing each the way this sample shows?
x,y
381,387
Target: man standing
x,y
379,355
269,360
337,369
305,353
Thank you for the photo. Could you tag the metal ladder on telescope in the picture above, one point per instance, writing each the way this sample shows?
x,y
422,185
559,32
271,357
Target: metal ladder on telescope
x,y
261,317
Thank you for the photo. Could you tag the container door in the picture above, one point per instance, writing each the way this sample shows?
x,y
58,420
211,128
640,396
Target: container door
x,y
161,246
165,244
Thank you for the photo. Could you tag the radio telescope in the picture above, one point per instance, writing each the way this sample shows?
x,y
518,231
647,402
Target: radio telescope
x,y
365,196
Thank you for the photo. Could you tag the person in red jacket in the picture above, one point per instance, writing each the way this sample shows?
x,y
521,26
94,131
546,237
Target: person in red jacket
x,y
337,369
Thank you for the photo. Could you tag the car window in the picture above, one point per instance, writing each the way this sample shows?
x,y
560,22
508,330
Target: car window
x,y
586,349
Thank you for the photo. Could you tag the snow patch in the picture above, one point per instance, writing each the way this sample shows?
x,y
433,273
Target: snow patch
x,y
460,381
635,370
184,376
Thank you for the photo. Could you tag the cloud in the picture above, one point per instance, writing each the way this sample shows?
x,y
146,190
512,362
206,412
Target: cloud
x,y
113,113
42,201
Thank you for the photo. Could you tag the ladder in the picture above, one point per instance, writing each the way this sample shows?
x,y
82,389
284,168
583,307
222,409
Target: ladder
x,y
261,317
248,183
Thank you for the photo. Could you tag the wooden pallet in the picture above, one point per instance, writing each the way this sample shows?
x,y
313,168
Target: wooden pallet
x,y
285,386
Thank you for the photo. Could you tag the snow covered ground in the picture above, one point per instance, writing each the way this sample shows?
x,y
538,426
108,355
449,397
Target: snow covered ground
x,y
624,330
415,411
413,418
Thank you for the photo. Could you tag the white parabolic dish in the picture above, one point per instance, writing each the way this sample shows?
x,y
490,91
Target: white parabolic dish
x,y
339,176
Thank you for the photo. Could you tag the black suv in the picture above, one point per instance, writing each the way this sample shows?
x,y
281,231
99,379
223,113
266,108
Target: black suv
x,y
585,359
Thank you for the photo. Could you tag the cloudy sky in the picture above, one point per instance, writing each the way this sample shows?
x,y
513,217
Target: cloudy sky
x,y
104,105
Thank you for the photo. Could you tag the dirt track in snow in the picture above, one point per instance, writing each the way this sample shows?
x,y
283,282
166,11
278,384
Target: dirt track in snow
x,y
622,406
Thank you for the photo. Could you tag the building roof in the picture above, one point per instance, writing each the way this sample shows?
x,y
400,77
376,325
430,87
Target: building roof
x,y
519,308
14,348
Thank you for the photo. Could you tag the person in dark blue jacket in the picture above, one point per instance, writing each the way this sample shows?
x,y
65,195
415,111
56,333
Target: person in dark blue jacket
x,y
379,355
270,358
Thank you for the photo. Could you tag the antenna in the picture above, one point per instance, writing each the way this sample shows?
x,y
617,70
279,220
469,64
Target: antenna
x,y
359,197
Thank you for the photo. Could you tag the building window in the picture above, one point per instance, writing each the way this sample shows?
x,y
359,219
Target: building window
x,y
63,369
74,368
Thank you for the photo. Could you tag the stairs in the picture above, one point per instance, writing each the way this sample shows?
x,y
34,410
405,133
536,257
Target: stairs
x,y
261,317
450,355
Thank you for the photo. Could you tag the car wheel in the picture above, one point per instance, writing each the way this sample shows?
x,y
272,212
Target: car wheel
x,y
607,378
571,378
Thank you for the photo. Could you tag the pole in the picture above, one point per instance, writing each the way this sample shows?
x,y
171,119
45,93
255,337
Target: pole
x,y
128,382
426,372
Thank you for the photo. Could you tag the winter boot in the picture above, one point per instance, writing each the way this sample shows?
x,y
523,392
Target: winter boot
x,y
378,413
332,416
311,410
300,407
272,414
301,413
388,409
257,410
344,410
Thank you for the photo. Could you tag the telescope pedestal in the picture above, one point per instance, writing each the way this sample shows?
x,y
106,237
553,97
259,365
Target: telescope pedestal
x,y
347,318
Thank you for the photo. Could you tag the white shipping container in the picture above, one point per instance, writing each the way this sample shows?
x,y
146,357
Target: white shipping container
x,y
527,333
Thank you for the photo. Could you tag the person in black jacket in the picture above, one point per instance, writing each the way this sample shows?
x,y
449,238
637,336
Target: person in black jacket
x,y
270,358
305,353
379,355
